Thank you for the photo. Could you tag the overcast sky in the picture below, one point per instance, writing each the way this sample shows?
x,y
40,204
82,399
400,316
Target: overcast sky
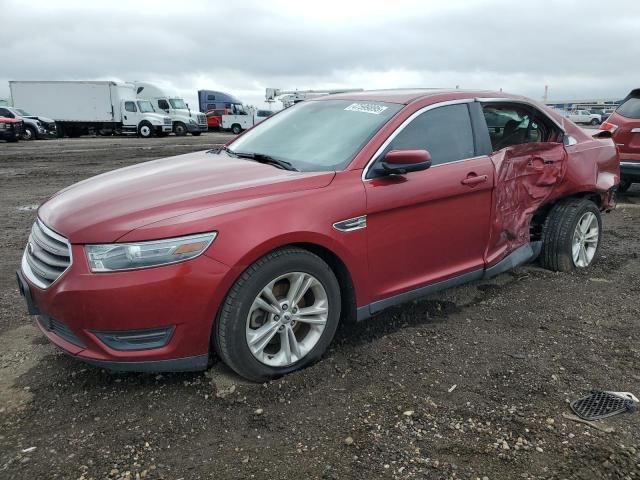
x,y
581,49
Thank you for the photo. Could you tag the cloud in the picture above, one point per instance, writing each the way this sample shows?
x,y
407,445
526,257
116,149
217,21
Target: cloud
x,y
579,48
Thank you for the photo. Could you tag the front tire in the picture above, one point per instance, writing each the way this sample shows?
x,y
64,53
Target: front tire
x,y
180,129
595,121
571,235
279,316
29,133
145,129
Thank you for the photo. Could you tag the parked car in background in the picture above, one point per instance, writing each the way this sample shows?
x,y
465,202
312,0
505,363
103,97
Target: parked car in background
x,y
335,209
214,118
33,126
624,124
260,115
10,129
585,116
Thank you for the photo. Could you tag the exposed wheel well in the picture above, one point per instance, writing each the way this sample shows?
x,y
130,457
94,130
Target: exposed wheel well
x,y
341,272
540,215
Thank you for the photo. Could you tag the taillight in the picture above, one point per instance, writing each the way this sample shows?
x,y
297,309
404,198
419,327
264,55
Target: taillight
x,y
610,127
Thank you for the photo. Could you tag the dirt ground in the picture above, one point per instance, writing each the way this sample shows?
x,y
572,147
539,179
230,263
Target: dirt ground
x,y
471,383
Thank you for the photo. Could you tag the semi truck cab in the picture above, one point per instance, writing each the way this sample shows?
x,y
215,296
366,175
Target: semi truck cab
x,y
183,118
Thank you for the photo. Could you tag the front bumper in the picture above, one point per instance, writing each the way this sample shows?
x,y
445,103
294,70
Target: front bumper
x,y
79,306
164,128
630,169
191,127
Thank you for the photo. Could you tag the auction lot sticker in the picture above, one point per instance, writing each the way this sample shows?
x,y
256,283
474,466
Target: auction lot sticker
x,y
366,108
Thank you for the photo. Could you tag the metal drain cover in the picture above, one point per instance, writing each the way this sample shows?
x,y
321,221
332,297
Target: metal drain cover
x,y
601,404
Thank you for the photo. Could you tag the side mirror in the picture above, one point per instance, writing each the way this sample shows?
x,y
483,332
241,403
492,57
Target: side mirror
x,y
399,162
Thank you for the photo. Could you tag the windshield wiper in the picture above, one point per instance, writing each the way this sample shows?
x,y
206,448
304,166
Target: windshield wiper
x,y
262,158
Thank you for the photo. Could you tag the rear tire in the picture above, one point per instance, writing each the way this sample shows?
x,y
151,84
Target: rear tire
x,y
571,235
241,315
625,184
180,129
235,128
594,121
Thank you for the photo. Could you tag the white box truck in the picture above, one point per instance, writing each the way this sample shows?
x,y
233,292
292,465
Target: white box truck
x,y
183,118
79,107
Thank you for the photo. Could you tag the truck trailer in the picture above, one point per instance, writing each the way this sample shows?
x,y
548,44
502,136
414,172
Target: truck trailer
x,y
82,107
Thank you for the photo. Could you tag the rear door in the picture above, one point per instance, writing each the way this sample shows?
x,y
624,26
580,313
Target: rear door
x,y
428,226
530,160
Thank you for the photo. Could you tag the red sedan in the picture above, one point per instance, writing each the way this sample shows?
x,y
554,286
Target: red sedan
x,y
334,209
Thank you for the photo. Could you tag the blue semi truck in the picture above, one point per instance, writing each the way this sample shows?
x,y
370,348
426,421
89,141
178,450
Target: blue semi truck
x,y
213,100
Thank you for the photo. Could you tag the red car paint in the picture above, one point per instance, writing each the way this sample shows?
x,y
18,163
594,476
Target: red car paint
x,y
471,215
625,127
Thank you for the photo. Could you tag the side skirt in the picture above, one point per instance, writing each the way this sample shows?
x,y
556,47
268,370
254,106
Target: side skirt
x,y
519,256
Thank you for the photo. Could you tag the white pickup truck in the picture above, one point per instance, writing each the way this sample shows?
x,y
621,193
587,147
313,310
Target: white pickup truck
x,y
585,116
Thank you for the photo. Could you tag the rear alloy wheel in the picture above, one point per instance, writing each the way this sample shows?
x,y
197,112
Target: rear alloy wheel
x,y
145,130
29,133
280,315
571,235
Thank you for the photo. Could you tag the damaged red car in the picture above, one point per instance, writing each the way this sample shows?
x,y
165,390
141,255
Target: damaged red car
x,y
331,210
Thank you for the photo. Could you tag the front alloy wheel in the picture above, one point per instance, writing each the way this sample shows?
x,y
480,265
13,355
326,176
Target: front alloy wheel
x,y
287,319
279,316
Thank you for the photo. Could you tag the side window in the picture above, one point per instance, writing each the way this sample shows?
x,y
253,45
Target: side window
x,y
445,132
130,106
211,98
5,113
510,125
163,104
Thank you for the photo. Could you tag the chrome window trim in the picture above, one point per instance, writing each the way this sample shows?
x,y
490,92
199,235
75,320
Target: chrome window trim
x,y
26,269
403,125
635,130
529,103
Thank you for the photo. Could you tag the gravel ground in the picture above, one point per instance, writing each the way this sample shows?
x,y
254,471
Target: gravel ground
x,y
471,383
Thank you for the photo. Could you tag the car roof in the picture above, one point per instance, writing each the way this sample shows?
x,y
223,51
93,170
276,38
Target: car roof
x,y
405,96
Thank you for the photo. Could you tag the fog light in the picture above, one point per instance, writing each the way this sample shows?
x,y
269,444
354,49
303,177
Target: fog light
x,y
136,339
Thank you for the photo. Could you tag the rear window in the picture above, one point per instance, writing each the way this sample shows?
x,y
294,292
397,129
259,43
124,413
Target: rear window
x,y
630,108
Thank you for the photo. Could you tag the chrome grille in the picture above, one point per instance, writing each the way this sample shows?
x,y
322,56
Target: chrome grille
x,y
46,257
202,118
167,120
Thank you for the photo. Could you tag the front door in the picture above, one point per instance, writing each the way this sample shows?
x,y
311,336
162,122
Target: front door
x,y
432,225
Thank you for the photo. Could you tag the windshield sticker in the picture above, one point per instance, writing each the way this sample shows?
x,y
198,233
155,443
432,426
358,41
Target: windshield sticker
x,y
366,108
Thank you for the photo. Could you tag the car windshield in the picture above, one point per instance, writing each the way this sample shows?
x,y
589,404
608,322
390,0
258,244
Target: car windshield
x,y
22,113
177,103
317,135
145,106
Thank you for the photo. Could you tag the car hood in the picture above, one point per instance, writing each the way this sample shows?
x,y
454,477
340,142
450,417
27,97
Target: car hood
x,y
42,119
104,208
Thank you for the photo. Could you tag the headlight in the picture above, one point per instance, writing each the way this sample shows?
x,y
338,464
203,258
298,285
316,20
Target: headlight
x,y
128,256
192,121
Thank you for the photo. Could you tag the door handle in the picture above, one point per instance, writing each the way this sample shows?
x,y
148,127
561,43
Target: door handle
x,y
473,179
